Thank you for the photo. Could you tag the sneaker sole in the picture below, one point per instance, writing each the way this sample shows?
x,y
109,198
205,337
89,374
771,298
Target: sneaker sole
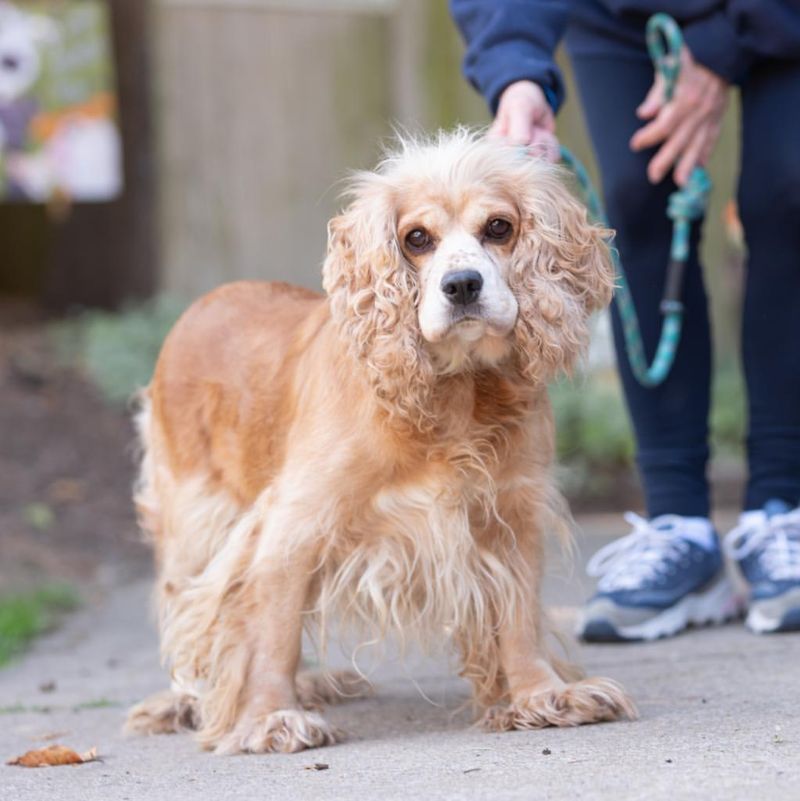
x,y
716,605
759,621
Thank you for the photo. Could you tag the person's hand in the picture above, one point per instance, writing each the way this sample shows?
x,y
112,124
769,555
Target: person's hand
x,y
524,117
688,125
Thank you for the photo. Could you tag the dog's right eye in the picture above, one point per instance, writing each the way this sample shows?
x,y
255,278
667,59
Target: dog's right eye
x,y
498,229
418,240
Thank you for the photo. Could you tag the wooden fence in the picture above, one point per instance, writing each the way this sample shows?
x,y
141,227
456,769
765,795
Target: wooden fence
x,y
264,105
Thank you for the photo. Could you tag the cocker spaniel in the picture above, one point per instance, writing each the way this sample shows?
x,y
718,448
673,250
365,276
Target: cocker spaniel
x,y
380,455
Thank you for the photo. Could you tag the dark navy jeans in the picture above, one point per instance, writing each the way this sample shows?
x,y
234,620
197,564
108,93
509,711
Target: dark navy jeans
x,y
671,421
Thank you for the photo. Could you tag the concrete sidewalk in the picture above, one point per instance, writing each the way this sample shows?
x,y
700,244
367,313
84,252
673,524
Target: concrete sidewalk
x,y
720,719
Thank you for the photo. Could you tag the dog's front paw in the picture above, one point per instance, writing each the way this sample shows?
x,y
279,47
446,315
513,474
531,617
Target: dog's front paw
x,y
284,731
587,701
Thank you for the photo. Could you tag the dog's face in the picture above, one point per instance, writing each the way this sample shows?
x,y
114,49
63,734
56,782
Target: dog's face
x,y
463,254
461,247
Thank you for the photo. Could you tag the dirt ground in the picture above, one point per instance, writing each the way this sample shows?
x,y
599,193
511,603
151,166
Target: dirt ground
x,y
66,466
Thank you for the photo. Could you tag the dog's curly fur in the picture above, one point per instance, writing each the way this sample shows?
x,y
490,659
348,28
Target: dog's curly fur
x,y
309,457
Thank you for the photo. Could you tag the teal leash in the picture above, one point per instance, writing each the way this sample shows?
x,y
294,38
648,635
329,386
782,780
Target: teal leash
x,y
664,42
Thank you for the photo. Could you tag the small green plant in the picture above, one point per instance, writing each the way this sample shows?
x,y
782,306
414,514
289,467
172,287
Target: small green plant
x,y
594,439
25,615
594,436
118,349
728,415
591,420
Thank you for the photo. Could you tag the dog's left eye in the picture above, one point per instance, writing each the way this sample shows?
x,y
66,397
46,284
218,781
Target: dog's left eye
x,y
498,228
418,240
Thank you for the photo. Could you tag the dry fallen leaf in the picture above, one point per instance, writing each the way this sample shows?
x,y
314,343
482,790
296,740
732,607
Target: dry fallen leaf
x,y
53,755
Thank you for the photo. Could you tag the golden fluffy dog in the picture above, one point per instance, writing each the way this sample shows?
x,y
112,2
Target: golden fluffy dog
x,y
380,455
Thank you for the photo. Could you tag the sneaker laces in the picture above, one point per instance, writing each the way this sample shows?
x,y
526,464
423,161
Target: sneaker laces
x,y
776,538
645,554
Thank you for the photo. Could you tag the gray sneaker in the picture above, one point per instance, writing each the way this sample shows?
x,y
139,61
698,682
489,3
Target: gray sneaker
x,y
766,546
656,581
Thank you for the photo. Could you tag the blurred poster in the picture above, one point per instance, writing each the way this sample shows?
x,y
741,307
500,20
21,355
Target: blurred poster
x,y
59,138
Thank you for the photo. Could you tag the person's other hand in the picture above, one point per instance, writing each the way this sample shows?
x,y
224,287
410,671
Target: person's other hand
x,y
524,117
688,125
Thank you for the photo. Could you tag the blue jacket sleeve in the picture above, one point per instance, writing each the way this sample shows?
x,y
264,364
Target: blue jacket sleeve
x,y
511,40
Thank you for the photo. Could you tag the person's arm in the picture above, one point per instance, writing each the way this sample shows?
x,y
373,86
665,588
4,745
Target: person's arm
x,y
509,59
509,41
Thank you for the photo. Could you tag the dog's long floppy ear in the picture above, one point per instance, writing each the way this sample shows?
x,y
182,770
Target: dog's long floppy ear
x,y
374,295
562,272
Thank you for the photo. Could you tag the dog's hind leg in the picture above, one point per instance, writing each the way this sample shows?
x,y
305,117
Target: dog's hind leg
x,y
316,689
166,712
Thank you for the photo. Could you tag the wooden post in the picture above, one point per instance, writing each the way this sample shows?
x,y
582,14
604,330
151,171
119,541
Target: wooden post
x,y
106,253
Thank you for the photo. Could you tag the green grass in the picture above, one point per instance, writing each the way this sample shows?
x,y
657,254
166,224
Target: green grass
x,y
41,709
25,615
19,709
12,709
97,703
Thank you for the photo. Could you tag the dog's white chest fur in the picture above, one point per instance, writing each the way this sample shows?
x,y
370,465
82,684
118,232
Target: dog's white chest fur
x,y
414,565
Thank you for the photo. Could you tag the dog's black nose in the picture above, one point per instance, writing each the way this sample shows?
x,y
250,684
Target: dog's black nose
x,y
462,287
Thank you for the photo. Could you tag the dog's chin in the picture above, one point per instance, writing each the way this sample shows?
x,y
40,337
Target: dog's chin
x,y
468,330
466,327
470,342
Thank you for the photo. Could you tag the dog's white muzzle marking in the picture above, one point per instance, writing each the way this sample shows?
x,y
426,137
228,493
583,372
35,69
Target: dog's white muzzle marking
x,y
490,309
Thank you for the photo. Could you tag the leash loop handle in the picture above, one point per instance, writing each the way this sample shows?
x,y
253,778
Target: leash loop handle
x,y
664,43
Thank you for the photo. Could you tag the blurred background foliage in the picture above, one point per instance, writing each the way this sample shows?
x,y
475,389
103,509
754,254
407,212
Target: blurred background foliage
x,y
231,179
240,118
117,352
